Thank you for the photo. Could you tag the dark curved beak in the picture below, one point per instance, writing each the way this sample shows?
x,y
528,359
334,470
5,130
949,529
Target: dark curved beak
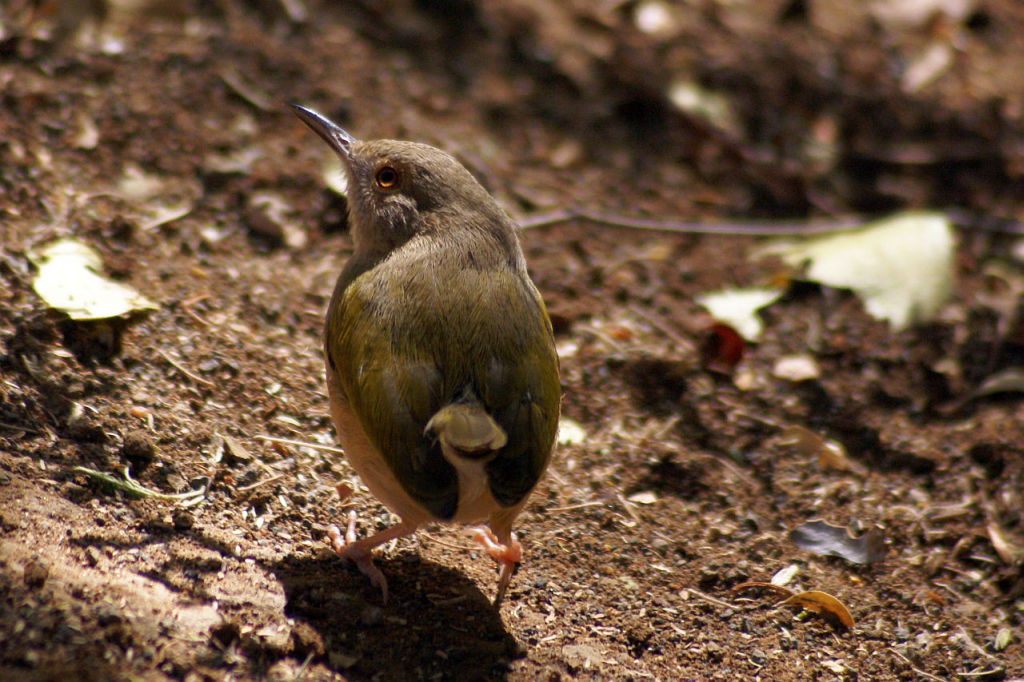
x,y
330,132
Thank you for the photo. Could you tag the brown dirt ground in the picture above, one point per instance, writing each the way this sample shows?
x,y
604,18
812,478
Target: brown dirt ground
x,y
553,106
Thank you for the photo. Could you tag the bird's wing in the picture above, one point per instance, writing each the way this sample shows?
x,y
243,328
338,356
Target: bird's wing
x,y
522,391
400,364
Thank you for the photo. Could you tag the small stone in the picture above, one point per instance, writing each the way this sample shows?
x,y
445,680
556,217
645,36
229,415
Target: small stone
x,y
183,519
796,368
36,573
138,449
92,555
83,431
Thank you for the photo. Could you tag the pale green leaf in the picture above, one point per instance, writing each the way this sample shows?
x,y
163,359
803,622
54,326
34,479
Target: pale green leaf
x,y
901,267
70,280
738,308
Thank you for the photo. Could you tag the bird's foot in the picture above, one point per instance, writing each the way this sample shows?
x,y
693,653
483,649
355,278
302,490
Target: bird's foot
x,y
358,553
507,556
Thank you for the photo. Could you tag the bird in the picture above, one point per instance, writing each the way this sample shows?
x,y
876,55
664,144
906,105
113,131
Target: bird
x,y
442,375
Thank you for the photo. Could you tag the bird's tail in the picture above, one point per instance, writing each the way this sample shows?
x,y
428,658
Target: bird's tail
x,y
466,430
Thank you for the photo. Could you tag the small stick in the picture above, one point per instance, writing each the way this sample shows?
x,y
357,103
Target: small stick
x,y
755,229
709,599
18,427
176,365
244,88
303,444
582,505
629,507
777,229
915,669
974,645
257,484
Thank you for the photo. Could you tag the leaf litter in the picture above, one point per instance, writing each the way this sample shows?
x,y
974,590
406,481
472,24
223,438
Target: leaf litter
x,y
824,539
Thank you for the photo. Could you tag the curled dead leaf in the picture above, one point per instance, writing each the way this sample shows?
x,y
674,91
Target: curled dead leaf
x,y
831,454
824,604
1009,380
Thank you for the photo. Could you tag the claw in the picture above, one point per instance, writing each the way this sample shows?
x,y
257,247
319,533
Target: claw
x,y
507,557
360,552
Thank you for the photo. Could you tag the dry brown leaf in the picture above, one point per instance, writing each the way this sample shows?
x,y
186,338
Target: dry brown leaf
x,y
825,539
822,603
831,454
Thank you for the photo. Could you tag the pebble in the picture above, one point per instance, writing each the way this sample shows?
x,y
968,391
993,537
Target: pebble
x,y
138,449
36,573
183,519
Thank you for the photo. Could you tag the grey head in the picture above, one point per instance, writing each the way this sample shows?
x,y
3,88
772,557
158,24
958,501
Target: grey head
x,y
397,189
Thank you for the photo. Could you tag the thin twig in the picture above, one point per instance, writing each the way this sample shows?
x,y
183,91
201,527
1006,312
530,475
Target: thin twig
x,y
990,673
571,507
444,543
178,366
735,470
974,645
303,444
709,599
257,484
777,229
629,507
301,673
756,229
18,427
914,668
246,89
187,304
659,325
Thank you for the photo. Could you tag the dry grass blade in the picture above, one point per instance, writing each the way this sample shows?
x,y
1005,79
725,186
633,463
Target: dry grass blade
x,y
302,444
131,487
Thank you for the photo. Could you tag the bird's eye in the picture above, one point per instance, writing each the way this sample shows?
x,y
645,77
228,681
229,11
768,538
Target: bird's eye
x,y
387,177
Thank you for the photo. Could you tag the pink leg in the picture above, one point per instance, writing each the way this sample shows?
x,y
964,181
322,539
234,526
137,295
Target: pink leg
x,y
507,555
360,552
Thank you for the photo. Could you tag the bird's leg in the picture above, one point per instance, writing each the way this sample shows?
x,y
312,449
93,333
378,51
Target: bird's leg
x,y
506,551
360,552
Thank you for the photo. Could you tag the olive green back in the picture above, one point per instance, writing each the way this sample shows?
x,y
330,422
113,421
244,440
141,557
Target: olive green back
x,y
411,333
